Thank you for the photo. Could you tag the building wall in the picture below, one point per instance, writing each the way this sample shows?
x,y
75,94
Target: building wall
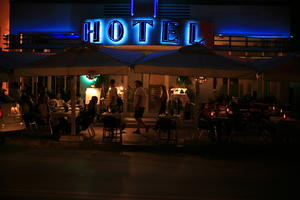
x,y
4,20
52,17
227,19
245,20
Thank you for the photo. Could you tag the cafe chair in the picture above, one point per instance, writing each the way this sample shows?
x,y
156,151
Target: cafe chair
x,y
112,129
89,138
52,104
206,127
167,130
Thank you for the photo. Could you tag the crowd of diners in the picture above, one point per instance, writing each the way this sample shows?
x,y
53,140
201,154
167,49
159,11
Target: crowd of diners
x,y
223,115
248,117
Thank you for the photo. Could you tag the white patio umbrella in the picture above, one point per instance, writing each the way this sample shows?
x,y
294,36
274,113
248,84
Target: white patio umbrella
x,y
11,60
194,60
285,68
81,60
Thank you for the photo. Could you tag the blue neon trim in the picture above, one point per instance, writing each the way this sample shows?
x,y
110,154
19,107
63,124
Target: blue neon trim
x,y
66,35
155,8
132,8
269,36
246,31
255,36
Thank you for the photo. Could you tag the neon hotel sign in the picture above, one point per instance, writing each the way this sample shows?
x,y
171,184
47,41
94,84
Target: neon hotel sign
x,y
141,31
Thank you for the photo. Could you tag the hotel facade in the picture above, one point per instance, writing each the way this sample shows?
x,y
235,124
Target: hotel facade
x,y
246,29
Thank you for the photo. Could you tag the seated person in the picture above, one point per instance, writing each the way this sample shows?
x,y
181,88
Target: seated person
x,y
42,108
79,102
28,109
204,117
87,117
58,101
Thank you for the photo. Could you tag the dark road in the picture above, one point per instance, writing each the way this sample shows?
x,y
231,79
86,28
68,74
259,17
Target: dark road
x,y
57,174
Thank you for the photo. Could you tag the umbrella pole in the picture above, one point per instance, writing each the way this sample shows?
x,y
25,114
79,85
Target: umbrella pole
x,y
197,88
262,86
73,99
228,86
49,83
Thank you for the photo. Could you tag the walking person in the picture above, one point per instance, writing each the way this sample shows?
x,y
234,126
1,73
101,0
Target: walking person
x,y
139,106
113,96
163,100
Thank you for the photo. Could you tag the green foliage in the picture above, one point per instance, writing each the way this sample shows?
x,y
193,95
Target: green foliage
x,y
102,82
184,81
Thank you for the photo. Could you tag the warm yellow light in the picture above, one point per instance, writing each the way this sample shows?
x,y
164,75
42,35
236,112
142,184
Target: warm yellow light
x,y
90,92
179,91
120,90
15,110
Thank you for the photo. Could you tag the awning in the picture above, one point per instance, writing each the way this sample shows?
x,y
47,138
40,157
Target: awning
x,y
194,60
82,60
11,60
284,68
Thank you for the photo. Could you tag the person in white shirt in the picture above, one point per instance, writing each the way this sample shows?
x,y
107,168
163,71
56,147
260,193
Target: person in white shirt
x,y
59,102
79,101
113,96
139,106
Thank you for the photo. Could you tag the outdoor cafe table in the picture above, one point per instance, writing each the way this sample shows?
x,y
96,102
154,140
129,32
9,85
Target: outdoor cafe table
x,y
221,126
113,125
62,113
167,124
285,129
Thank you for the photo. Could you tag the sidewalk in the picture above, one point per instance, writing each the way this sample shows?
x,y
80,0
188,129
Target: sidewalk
x,y
150,142
43,138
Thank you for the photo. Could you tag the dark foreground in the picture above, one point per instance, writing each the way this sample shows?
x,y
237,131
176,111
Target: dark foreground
x,y
39,174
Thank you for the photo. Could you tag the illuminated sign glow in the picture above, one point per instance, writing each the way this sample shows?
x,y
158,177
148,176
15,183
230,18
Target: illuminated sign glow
x,y
142,28
142,31
169,33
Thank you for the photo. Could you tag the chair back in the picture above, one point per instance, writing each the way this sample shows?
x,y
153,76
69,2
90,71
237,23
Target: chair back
x,y
110,122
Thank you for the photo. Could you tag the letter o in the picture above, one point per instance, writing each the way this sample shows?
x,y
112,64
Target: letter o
x,y
115,31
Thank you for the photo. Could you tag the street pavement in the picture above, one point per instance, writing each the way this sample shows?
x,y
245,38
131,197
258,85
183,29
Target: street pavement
x,y
63,174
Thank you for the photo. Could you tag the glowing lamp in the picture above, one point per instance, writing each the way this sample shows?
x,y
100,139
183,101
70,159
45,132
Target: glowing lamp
x,y
284,116
227,110
281,110
201,79
90,92
14,110
120,90
212,113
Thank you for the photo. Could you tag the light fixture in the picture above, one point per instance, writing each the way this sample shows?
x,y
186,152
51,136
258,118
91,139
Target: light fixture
x,y
90,92
90,77
179,91
201,79
212,114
